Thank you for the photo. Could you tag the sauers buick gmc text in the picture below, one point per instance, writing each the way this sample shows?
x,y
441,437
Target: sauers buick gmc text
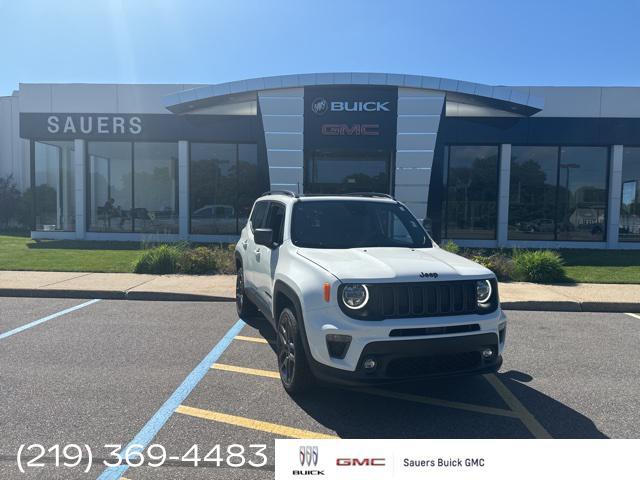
x,y
359,293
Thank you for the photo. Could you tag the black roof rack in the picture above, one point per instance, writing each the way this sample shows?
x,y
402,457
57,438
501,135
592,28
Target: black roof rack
x,y
280,192
352,194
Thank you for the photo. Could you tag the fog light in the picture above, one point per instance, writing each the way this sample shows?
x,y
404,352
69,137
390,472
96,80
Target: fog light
x,y
338,345
487,353
369,364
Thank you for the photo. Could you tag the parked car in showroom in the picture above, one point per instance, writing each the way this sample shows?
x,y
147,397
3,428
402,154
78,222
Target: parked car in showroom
x,y
358,293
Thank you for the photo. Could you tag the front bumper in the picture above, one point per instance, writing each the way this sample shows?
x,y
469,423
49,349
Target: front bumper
x,y
401,360
427,354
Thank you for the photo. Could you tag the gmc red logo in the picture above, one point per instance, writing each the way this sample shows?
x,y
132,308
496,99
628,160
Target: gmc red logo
x,y
372,129
361,462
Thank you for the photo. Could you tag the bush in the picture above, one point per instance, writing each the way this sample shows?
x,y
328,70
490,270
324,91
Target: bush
x,y
180,258
539,266
499,263
206,260
158,260
450,247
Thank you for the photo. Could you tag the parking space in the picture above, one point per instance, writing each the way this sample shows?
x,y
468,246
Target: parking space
x,y
98,374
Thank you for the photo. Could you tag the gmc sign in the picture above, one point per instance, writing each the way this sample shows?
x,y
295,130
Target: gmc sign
x,y
361,462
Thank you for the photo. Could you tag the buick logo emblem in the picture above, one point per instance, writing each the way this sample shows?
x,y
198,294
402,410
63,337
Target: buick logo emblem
x,y
308,456
320,106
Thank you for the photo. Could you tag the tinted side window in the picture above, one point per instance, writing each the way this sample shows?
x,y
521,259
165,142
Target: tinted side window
x,y
258,215
275,221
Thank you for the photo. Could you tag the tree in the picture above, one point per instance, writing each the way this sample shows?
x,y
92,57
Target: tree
x,y
9,199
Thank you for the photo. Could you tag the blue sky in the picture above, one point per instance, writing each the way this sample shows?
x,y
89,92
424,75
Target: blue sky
x,y
188,41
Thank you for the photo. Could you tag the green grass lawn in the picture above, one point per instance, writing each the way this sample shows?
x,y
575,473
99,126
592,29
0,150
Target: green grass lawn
x,y
21,253
602,266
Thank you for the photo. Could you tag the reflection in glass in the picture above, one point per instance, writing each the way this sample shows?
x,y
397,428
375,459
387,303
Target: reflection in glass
x,y
532,193
213,188
582,193
110,186
224,182
471,177
54,188
156,187
630,207
339,172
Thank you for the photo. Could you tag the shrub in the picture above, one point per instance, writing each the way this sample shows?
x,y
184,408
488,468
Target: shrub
x,y
206,260
158,260
499,263
450,247
180,258
539,266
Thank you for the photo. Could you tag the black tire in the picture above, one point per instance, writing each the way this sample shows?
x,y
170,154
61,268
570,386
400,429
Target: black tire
x,y
245,307
294,369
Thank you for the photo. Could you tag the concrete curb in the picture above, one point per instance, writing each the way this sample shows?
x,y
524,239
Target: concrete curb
x,y
112,295
524,305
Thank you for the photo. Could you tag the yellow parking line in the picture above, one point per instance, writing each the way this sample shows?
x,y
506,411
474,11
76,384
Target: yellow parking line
x,y
385,393
440,403
273,428
250,339
526,417
634,315
248,371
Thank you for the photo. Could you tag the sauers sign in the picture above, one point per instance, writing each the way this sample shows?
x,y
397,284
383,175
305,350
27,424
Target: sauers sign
x,y
150,126
350,116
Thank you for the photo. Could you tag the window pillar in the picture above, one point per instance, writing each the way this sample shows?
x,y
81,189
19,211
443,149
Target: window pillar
x,y
503,194
183,188
80,149
615,193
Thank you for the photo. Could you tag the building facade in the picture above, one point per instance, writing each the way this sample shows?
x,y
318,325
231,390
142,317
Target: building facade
x,y
486,166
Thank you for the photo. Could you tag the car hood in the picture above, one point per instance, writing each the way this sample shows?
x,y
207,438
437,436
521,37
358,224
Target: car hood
x,y
381,264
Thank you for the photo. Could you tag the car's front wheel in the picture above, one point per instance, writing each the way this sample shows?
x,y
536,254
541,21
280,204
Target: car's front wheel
x,y
245,307
292,362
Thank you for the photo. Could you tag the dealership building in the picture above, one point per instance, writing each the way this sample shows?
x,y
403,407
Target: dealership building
x,y
486,166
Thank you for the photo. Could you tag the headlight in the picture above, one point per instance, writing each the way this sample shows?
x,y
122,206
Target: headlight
x,y
355,295
483,291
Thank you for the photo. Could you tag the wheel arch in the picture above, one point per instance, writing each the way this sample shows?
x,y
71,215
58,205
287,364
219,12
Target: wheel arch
x,y
284,295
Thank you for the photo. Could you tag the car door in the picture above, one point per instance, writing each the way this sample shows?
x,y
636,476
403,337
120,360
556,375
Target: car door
x,y
266,258
256,220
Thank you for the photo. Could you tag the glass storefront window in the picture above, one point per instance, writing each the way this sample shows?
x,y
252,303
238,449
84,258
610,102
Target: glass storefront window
x,y
582,193
337,171
558,193
533,193
54,188
155,185
630,206
471,179
110,186
133,187
224,183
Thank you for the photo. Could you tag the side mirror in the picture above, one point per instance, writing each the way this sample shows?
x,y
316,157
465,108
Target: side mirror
x,y
263,236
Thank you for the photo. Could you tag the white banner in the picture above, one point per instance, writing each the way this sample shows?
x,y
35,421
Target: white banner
x,y
457,459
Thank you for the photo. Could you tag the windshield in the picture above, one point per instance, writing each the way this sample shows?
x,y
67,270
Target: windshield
x,y
354,224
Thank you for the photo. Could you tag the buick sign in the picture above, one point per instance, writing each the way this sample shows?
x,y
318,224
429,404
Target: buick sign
x,y
320,106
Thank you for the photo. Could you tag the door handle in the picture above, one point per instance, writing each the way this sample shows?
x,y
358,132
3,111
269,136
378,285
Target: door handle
x,y
244,244
257,252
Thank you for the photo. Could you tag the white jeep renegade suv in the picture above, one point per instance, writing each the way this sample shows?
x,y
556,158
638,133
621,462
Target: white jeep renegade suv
x,y
359,293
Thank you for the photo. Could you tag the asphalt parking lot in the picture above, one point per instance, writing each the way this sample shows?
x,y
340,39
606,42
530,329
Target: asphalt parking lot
x,y
183,373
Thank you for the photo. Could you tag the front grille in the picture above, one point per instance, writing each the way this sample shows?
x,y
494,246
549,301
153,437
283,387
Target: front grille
x,y
424,299
434,364
427,331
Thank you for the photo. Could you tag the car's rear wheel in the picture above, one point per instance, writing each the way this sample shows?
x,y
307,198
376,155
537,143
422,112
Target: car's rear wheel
x,y
294,370
245,307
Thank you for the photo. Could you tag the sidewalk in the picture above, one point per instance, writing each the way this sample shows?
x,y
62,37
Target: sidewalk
x,y
582,297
